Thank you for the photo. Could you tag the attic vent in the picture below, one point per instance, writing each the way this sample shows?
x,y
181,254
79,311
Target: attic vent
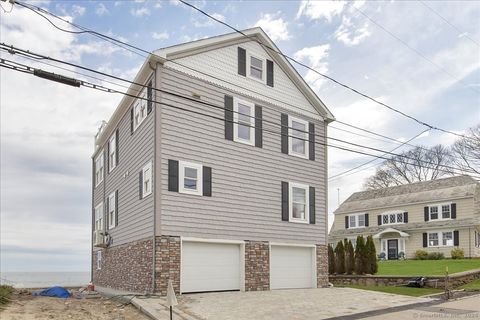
x,y
196,95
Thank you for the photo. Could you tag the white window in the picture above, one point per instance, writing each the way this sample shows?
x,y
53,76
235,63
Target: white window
x,y
298,137
147,182
112,153
190,178
99,165
440,239
99,217
447,238
112,209
256,68
244,121
356,221
440,211
299,202
353,240
140,109
392,218
433,239
99,260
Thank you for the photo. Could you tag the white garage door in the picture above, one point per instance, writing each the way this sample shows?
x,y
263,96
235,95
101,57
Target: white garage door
x,y
291,267
210,267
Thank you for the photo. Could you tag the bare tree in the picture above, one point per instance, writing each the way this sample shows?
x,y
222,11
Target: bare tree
x,y
418,164
466,151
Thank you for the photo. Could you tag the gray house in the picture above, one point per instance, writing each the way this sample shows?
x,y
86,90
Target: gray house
x,y
214,176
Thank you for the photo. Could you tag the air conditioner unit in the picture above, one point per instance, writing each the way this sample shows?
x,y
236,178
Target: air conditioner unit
x,y
99,239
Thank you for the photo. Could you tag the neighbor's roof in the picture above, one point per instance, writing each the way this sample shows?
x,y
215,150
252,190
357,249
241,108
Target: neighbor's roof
x,y
419,192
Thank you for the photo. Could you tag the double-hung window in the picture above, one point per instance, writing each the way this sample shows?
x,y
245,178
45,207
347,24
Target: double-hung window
x,y
433,239
446,211
447,238
140,109
99,217
256,68
299,202
356,220
298,137
440,212
112,153
99,168
244,121
433,213
112,208
191,178
440,239
147,180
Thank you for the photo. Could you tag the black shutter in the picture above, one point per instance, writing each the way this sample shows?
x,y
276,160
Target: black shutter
x,y
453,213
131,120
207,181
379,219
425,240
285,209
94,173
456,240
173,175
258,127
284,133
366,220
140,184
229,117
149,98
425,213
116,207
346,222
312,204
270,73
242,62
108,158
405,217
311,141
116,146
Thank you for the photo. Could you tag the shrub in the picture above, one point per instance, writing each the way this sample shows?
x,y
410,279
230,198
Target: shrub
x,y
371,266
435,256
457,254
421,255
331,260
349,257
5,292
340,258
360,256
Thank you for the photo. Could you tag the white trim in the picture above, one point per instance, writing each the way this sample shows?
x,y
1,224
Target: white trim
x,y
251,105
357,220
101,216
112,196
138,104
113,139
292,185
389,230
290,137
264,71
181,178
396,217
99,260
440,238
439,211
193,239
286,244
97,159
148,166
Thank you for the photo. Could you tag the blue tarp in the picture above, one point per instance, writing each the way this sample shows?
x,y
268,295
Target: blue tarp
x,y
58,292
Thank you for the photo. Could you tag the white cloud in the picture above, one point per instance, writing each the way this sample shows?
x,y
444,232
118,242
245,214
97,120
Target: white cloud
x,y
140,12
316,59
158,4
320,9
274,26
349,34
207,22
101,9
78,10
160,35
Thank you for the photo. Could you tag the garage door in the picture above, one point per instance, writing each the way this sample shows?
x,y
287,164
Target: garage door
x,y
291,267
210,267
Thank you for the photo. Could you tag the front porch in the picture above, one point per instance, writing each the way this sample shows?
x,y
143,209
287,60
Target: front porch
x,y
392,243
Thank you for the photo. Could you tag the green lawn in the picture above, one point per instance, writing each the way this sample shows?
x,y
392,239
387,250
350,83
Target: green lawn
x,y
472,286
425,267
406,291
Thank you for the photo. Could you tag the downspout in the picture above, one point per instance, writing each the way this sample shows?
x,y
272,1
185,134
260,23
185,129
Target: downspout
x,y
93,221
154,246
470,242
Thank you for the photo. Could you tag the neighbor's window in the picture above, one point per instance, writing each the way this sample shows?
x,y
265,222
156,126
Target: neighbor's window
x,y
352,223
299,202
147,180
438,239
244,121
99,217
446,211
442,211
140,109
356,220
112,156
99,260
447,238
433,239
298,137
112,207
392,218
191,177
99,165
433,213
256,68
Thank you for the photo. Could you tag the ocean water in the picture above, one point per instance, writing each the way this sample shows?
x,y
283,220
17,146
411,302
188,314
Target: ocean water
x,y
44,279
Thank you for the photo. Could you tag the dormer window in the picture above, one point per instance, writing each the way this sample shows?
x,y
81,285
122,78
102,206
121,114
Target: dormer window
x,y
256,69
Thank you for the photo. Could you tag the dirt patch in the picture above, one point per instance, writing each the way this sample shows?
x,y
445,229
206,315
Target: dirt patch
x,y
26,307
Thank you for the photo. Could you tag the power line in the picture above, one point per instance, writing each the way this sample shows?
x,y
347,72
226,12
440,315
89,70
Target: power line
x,y
4,63
324,75
461,33
110,39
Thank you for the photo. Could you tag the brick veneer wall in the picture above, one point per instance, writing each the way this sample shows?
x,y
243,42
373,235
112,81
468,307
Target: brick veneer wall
x,y
167,263
126,267
257,266
322,266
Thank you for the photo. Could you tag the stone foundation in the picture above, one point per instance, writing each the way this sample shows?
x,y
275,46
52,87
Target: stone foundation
x,y
257,266
322,266
127,267
167,263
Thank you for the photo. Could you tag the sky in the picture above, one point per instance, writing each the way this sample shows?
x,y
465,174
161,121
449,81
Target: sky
x,y
420,57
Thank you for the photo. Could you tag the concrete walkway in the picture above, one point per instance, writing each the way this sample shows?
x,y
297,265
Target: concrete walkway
x,y
298,304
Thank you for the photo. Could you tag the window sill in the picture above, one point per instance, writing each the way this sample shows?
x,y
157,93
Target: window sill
x,y
247,142
356,227
99,183
146,195
298,155
262,81
193,193
298,221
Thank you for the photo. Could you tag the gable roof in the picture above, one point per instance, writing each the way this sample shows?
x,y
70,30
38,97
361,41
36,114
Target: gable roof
x,y
425,191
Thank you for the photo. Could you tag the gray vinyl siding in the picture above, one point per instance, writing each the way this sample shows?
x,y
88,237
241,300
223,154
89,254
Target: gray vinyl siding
x,y
246,180
135,216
